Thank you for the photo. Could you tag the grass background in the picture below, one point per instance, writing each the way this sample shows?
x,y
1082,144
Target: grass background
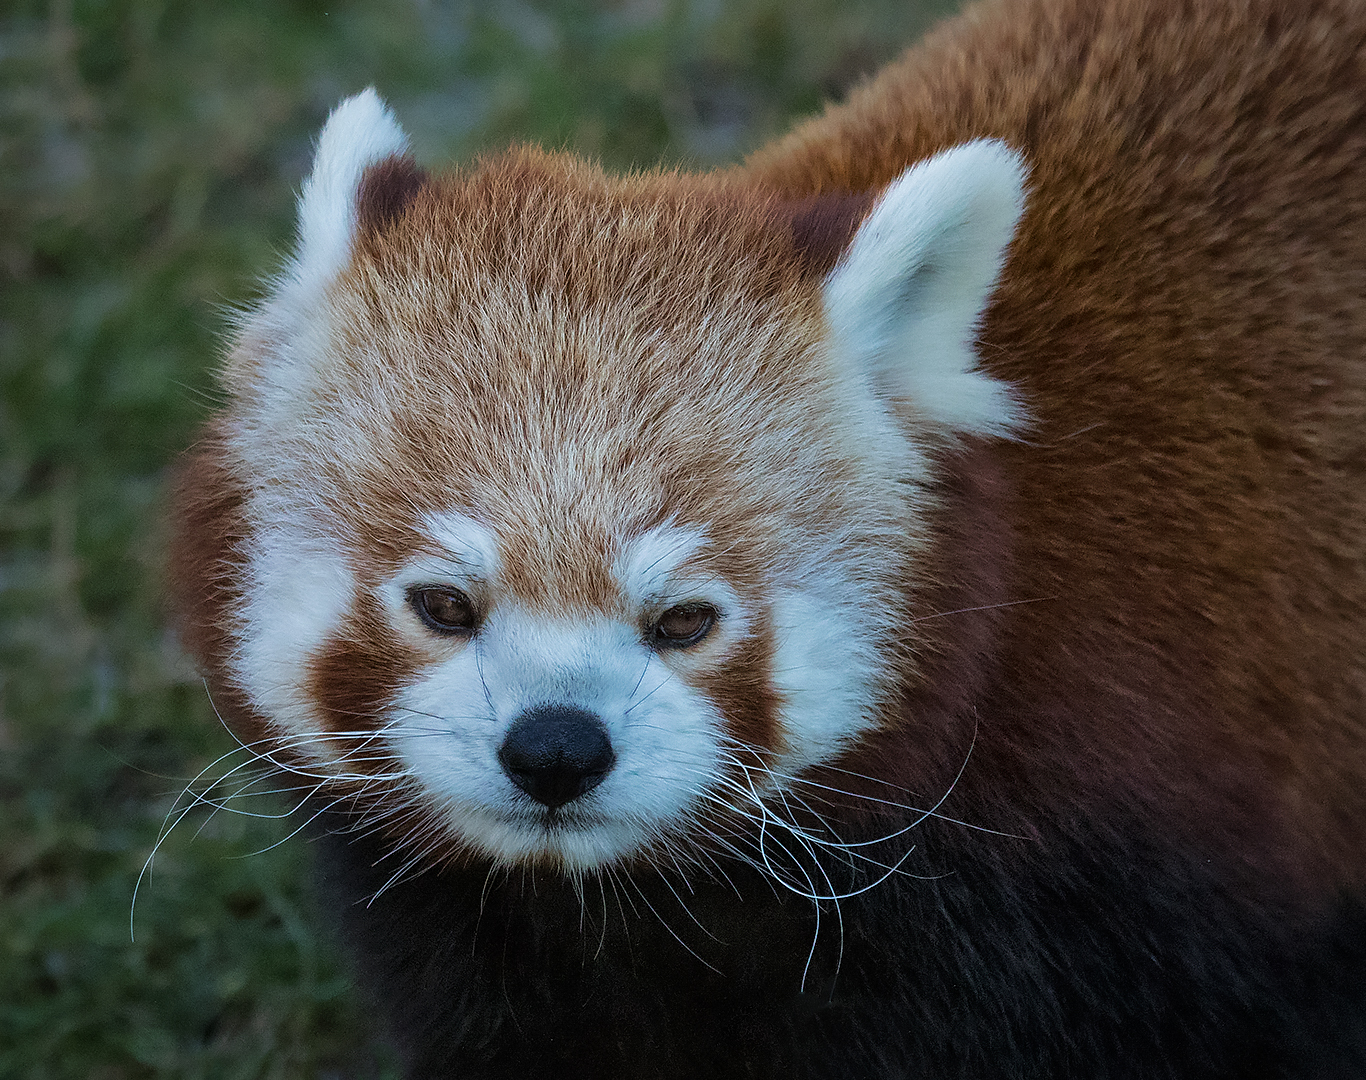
x,y
150,151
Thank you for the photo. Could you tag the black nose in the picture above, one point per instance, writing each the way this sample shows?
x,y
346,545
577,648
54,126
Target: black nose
x,y
555,753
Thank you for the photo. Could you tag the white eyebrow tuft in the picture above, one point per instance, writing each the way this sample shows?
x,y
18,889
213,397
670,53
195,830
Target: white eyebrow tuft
x,y
465,542
646,562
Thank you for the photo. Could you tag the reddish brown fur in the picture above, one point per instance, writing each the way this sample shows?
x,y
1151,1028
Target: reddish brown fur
x,y
360,670
386,189
823,225
1128,668
660,254
204,571
451,325
1184,315
743,691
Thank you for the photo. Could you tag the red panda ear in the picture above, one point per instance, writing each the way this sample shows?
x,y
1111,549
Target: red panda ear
x,y
362,178
905,300
361,133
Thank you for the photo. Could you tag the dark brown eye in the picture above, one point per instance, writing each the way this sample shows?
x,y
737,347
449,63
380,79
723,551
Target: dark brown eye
x,y
683,625
448,611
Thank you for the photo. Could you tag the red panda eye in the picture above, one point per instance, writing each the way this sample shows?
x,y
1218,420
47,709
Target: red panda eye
x,y
448,611
682,625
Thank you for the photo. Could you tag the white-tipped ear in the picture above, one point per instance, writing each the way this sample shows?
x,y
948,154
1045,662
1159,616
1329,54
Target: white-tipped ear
x,y
905,300
360,132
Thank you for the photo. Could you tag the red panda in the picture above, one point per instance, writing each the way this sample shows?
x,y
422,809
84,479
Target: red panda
x,y
893,608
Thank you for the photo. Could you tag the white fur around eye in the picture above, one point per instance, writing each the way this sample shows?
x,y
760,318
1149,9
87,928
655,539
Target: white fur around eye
x,y
465,557
646,563
465,542
667,566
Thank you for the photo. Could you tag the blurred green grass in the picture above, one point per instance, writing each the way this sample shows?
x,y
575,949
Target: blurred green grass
x,y
149,156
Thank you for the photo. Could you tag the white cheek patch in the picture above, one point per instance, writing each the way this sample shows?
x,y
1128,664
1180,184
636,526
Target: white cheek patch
x,y
825,670
824,666
449,723
298,590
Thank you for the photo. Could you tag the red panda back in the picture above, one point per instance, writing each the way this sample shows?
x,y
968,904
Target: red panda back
x,y
1183,312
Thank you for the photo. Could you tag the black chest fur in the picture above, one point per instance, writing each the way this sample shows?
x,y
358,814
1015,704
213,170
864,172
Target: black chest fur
x,y
1080,967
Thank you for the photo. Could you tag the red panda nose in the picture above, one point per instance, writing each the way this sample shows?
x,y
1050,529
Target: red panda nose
x,y
555,753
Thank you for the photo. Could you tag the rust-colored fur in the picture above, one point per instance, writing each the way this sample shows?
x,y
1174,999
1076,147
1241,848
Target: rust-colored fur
x,y
1184,313
1124,639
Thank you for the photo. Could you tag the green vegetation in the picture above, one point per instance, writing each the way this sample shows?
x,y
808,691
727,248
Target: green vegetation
x,y
149,154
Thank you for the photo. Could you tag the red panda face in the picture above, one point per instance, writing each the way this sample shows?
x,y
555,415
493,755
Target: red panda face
x,y
580,516
584,734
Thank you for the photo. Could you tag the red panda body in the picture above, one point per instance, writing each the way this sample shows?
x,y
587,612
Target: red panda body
x,y
897,608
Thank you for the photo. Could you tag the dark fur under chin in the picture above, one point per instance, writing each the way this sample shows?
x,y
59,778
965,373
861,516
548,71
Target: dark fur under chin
x,y
1089,961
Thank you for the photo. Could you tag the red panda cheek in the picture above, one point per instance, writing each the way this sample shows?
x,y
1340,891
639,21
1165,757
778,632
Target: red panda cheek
x,y
205,565
357,674
742,690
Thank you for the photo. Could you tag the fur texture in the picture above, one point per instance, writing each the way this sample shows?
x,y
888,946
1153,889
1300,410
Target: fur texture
x,y
891,609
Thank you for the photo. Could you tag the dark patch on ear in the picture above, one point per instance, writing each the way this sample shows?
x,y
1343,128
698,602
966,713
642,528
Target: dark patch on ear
x,y
823,225
386,189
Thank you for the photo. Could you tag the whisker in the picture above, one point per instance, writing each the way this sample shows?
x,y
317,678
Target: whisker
x,y
302,826
983,607
686,910
664,923
664,681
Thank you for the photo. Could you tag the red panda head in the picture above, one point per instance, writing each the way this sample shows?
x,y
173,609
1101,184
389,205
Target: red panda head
x,y
561,517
